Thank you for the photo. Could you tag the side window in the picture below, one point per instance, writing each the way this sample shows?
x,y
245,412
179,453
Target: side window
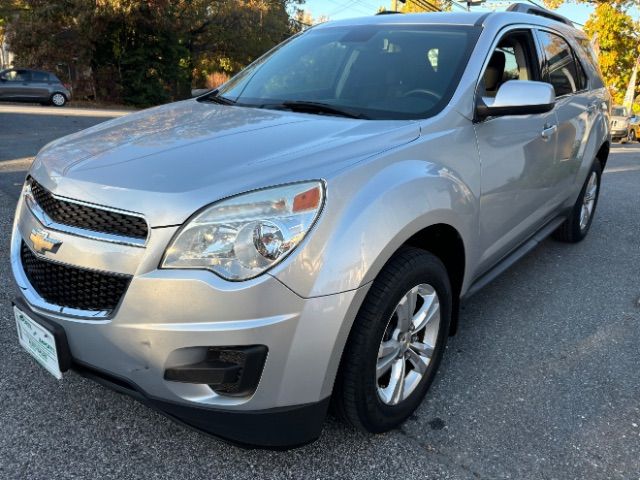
x,y
560,64
39,77
18,76
513,59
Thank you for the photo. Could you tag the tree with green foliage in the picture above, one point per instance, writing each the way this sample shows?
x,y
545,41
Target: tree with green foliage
x,y
145,52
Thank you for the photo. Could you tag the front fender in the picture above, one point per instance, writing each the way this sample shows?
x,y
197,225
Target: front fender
x,y
369,213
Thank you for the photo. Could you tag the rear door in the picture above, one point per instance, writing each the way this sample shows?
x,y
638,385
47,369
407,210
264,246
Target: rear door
x,y
39,86
575,108
518,153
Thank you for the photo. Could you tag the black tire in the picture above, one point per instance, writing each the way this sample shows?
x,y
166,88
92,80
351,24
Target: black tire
x,y
58,99
356,397
571,231
632,136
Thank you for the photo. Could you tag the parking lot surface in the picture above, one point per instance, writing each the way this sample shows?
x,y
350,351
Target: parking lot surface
x,y
542,380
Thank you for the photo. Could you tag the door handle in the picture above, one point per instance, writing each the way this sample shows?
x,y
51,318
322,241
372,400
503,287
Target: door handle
x,y
548,131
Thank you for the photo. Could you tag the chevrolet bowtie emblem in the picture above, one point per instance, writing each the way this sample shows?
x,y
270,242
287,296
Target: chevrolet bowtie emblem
x,y
42,242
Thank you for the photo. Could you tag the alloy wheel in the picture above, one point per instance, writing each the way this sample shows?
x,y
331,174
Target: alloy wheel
x,y
589,201
408,344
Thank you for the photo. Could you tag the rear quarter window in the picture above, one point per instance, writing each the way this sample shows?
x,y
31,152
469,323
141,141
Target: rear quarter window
x,y
561,70
39,77
589,54
583,80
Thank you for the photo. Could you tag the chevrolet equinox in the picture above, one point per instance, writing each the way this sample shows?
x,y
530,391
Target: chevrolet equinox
x,y
303,235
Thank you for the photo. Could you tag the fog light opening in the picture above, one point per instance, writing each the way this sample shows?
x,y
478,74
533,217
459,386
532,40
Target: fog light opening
x,y
230,371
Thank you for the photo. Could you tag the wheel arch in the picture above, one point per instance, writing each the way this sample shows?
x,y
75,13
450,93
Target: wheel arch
x,y
603,154
445,242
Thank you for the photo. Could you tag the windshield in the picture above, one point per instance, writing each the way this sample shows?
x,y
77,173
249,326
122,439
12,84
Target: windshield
x,y
374,72
619,111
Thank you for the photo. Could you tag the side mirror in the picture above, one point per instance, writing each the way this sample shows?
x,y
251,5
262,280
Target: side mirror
x,y
196,92
518,97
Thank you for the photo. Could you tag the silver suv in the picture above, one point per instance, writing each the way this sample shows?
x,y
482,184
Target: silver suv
x,y
308,231
21,85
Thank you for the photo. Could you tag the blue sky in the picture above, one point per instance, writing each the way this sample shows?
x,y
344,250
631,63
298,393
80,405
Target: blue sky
x,y
337,9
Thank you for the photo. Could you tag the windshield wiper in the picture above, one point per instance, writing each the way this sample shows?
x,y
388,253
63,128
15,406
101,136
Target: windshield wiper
x,y
215,97
293,105
317,107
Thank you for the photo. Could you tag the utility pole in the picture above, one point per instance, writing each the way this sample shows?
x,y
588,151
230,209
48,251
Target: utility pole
x,y
471,3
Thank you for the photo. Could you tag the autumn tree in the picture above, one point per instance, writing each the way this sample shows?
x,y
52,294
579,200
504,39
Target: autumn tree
x,y
413,6
616,35
617,3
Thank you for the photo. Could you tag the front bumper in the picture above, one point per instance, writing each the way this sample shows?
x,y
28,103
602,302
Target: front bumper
x,y
617,134
274,428
169,318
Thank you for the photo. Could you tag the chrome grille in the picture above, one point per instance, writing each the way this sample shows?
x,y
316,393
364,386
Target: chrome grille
x,y
90,218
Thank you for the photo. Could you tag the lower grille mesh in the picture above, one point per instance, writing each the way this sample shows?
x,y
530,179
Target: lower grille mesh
x,y
73,287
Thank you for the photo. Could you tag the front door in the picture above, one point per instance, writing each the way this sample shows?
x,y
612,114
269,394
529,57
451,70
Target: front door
x,y
15,84
517,154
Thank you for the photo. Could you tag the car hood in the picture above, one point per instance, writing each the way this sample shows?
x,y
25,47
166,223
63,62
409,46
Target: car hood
x,y
169,161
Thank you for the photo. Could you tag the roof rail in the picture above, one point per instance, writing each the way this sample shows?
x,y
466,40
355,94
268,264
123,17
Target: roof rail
x,y
542,12
387,12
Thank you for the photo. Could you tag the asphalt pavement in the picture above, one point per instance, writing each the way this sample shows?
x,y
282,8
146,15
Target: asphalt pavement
x,y
542,380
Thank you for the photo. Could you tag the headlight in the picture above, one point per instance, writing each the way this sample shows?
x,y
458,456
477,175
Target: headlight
x,y
243,236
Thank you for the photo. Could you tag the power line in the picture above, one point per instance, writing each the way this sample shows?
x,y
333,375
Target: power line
x,y
435,7
367,5
353,4
428,5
